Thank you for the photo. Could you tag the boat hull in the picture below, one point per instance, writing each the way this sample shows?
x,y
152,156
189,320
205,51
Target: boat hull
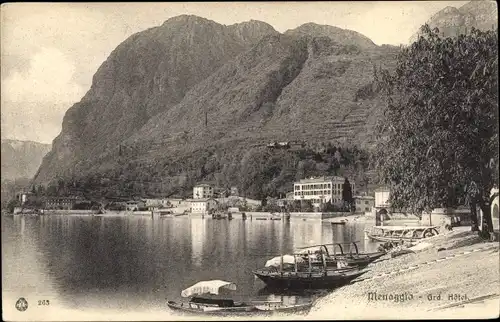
x,y
239,310
305,280
397,234
246,310
384,239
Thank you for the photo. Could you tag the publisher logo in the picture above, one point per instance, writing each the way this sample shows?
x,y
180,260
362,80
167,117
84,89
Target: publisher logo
x,y
22,304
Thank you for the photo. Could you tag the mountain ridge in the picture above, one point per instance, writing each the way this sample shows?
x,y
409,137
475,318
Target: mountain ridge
x,y
21,158
195,100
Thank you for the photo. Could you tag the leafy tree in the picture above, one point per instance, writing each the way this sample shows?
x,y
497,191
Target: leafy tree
x,y
34,203
317,157
293,206
347,194
12,204
52,190
330,207
438,143
40,190
264,202
306,206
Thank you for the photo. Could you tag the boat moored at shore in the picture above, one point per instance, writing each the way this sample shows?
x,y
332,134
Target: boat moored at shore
x,y
401,234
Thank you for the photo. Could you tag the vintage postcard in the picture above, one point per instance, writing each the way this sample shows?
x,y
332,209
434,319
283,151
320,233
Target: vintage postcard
x,y
249,160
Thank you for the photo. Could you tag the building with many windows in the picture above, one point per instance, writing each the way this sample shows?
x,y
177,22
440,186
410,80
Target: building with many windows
x,y
320,190
66,203
202,206
203,191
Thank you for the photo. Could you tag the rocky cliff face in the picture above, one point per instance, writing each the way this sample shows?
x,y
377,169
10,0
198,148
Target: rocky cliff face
x,y
145,75
194,100
21,159
453,21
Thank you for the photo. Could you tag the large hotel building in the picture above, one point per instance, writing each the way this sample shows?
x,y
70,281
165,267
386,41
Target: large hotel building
x,y
320,190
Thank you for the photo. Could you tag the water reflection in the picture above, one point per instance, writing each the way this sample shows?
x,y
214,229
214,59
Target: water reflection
x,y
131,262
198,232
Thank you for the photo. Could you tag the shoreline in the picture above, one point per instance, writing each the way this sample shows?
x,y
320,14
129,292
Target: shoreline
x,y
354,218
446,275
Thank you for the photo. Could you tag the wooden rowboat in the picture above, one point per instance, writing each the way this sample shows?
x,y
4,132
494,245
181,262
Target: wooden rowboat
x,y
203,302
398,234
228,307
352,258
315,279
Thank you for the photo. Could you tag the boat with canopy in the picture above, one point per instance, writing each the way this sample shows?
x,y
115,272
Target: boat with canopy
x,y
204,299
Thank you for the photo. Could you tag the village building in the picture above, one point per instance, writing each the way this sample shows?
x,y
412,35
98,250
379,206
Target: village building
x,y
234,191
174,202
203,191
61,203
24,196
364,203
155,203
132,205
321,190
202,206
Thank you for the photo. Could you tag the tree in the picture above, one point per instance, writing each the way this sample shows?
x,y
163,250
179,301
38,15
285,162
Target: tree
x,y
12,204
40,190
347,194
306,206
264,202
438,142
330,207
317,157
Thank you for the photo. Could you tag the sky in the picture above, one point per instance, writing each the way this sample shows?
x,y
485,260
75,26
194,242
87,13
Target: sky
x,y
50,51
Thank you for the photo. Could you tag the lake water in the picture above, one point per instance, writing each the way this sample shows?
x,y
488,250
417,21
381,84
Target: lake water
x,y
133,263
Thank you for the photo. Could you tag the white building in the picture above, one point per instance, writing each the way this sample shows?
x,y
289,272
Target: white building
x,y
382,198
494,211
23,197
320,190
156,202
202,206
364,203
203,191
132,205
178,205
175,202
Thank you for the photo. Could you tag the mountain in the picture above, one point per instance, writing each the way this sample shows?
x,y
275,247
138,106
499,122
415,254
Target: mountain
x,y
339,35
452,21
148,73
21,159
195,100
